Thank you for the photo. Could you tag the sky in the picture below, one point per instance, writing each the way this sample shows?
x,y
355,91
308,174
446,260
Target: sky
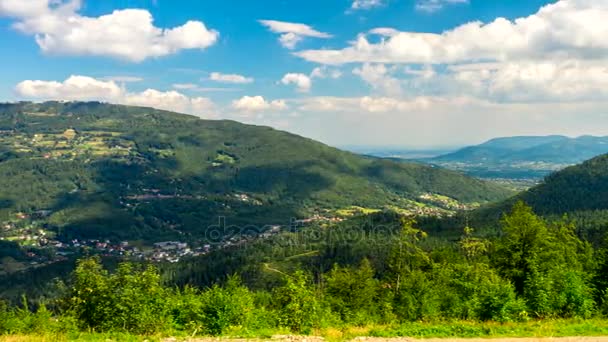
x,y
408,73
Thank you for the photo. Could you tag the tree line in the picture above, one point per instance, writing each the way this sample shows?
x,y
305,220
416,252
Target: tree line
x,y
533,270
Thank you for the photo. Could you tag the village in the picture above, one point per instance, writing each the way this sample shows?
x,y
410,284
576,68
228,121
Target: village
x,y
41,247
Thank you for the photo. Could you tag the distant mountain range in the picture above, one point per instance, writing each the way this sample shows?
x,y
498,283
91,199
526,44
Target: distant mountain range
x,y
523,156
555,149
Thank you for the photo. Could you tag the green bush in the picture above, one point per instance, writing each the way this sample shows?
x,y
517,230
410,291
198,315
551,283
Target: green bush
x,y
296,303
132,299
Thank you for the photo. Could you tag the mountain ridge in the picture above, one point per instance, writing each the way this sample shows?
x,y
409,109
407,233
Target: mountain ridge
x,y
549,148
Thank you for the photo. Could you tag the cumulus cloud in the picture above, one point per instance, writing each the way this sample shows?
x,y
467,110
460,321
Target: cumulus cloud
x,y
73,88
569,80
431,6
258,103
127,34
83,88
292,33
230,78
567,28
366,4
302,82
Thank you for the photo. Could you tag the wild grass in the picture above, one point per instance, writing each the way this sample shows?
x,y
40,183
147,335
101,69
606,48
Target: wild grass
x,y
445,330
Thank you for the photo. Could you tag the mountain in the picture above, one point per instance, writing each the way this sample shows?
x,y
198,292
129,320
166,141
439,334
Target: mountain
x,y
579,191
549,149
525,157
96,170
581,187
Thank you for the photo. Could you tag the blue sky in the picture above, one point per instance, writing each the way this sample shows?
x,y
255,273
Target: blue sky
x,y
414,73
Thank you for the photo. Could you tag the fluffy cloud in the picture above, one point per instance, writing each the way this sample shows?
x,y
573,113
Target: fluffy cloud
x,y
230,78
127,34
292,33
365,4
568,28
431,6
302,82
570,80
82,88
257,103
73,88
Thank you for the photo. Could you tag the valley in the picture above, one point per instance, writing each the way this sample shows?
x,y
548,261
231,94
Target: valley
x,y
207,212
80,178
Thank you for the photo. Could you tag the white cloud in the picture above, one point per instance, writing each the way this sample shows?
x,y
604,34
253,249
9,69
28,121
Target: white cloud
x,y
431,6
258,103
427,72
440,120
302,82
230,78
556,81
292,33
325,72
375,104
378,76
366,4
127,34
123,79
185,86
83,88
568,28
172,100
73,88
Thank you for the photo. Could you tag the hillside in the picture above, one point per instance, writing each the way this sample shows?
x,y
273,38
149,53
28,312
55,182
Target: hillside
x,y
525,157
94,170
577,188
579,191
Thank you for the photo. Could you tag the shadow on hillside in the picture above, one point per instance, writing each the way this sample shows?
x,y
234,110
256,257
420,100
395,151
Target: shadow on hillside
x,y
137,201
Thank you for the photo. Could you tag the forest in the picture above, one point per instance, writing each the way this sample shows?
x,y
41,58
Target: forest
x,y
534,270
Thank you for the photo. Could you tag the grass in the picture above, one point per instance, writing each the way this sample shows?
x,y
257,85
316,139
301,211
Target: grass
x,y
447,330
544,328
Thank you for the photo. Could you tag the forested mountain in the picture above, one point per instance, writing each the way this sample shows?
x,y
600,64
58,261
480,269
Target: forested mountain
x,y
582,187
92,170
580,192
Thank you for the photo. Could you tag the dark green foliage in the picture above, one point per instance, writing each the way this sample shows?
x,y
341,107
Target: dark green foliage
x,y
353,294
579,190
548,265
